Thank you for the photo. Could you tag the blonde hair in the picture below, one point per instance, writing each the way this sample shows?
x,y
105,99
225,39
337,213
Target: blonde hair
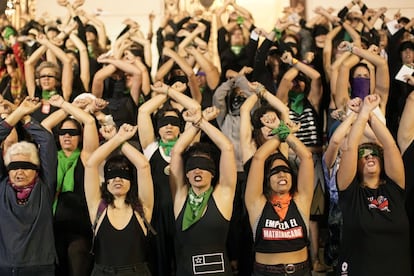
x,y
24,148
48,64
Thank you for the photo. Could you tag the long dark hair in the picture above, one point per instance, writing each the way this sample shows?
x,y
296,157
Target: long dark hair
x,y
121,162
257,124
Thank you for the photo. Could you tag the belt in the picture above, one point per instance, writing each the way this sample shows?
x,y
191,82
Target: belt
x,y
281,268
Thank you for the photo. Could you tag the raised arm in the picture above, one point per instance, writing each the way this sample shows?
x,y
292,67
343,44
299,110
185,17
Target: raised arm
x,y
382,77
348,167
29,70
393,163
145,185
67,74
90,137
254,197
84,61
145,125
92,179
406,128
177,175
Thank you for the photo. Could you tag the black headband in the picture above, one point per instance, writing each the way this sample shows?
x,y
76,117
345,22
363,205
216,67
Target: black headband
x,y
279,169
124,173
169,120
24,165
70,131
200,162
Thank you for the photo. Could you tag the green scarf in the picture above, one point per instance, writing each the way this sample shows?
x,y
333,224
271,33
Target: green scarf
x,y
46,94
167,146
65,173
296,101
236,49
196,204
8,32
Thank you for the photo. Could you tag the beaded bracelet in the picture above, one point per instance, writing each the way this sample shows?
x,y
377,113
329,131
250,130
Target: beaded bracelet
x,y
282,131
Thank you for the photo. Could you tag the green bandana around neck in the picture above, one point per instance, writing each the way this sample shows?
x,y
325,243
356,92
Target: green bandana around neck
x,y
167,146
296,101
65,173
47,94
236,49
196,204
8,32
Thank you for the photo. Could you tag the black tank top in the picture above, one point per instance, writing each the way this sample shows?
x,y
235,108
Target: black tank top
x,y
120,247
201,249
276,236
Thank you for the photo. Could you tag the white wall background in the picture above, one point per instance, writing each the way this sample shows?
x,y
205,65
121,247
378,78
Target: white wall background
x,y
265,12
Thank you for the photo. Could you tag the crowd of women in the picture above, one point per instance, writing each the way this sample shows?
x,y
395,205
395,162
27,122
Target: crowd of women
x,y
205,169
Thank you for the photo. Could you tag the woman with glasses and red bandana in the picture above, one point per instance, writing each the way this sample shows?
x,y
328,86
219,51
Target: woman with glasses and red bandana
x,y
28,182
371,187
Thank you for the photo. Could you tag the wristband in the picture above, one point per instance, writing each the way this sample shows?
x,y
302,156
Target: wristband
x,y
166,92
240,20
293,61
282,131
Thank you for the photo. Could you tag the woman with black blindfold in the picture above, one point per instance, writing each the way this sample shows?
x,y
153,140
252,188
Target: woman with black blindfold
x,y
279,210
203,198
26,194
157,140
73,233
119,216
371,187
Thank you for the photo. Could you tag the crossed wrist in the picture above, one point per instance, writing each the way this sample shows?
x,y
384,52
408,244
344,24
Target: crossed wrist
x,y
282,131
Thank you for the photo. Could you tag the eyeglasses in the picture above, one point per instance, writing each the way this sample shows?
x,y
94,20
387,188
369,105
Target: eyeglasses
x,y
47,76
70,131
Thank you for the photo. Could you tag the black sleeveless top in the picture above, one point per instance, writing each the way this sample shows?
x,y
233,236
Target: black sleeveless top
x,y
120,247
201,249
277,236
72,215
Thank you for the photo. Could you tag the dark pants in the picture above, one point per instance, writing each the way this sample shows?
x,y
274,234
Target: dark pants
x,y
130,270
40,270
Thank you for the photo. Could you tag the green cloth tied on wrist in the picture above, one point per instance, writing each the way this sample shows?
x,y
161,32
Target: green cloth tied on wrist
x,y
282,131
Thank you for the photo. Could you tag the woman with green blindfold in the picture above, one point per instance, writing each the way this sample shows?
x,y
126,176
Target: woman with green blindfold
x,y
371,187
203,197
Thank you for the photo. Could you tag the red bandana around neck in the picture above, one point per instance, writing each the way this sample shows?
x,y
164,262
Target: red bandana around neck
x,y
23,193
281,204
